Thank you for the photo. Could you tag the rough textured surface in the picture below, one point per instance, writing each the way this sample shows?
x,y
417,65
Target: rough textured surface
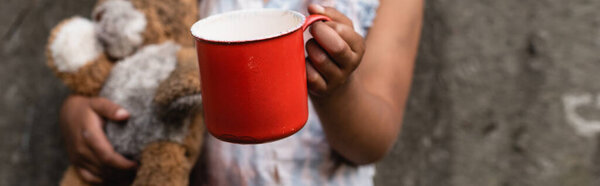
x,y
488,105
488,102
30,148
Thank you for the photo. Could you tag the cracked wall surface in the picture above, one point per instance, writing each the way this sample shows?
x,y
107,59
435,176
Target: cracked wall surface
x,y
504,93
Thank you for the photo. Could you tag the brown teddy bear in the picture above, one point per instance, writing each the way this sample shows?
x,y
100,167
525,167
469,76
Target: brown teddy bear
x,y
140,55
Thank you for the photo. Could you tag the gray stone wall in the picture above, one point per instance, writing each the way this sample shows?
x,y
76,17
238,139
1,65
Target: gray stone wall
x,y
505,93
31,152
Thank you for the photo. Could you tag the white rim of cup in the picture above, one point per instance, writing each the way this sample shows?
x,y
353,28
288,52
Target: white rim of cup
x,y
209,18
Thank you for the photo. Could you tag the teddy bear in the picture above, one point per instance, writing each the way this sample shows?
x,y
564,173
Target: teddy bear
x,y
140,55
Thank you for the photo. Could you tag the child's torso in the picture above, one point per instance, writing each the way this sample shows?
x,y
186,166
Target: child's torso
x,y
304,158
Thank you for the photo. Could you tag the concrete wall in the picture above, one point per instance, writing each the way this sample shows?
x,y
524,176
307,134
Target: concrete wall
x,y
31,152
505,93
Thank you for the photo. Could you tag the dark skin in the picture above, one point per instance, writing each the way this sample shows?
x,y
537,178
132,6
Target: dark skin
x,y
358,86
81,123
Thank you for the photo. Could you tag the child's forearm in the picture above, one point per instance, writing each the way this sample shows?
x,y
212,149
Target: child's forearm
x,y
363,118
360,126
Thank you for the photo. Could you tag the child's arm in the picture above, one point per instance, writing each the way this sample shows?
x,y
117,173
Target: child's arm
x,y
361,106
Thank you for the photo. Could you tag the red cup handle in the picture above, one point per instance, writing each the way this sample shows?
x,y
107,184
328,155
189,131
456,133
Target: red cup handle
x,y
312,18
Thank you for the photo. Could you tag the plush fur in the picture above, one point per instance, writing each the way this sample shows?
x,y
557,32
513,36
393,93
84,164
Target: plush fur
x,y
82,68
160,168
74,45
119,27
132,84
187,65
138,54
168,20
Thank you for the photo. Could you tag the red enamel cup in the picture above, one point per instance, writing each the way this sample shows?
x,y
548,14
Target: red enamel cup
x,y
253,73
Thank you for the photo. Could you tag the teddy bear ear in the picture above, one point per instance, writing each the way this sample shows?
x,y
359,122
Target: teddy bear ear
x,y
77,57
119,26
168,20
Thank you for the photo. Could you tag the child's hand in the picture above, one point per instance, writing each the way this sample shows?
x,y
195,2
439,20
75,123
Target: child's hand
x,y
334,52
88,149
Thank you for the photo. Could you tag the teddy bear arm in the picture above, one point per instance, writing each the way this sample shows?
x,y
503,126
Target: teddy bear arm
x,y
163,163
183,81
194,140
170,163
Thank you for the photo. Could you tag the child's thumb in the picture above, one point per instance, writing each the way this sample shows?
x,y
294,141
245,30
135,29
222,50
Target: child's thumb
x,y
108,109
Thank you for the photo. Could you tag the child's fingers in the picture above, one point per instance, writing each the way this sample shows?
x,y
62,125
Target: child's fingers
x,y
321,62
95,138
88,177
91,167
108,109
355,40
316,83
335,46
87,159
331,13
